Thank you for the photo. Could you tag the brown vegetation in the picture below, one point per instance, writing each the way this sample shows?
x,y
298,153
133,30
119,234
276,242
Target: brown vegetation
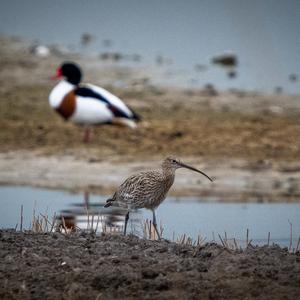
x,y
184,127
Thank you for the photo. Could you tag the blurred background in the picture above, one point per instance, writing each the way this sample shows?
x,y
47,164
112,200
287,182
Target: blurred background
x,y
216,83
184,39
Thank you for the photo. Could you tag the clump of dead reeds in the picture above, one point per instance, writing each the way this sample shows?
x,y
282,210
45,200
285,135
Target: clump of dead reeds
x,y
40,223
149,231
187,240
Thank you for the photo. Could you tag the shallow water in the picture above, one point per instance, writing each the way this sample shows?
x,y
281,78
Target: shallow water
x,y
178,216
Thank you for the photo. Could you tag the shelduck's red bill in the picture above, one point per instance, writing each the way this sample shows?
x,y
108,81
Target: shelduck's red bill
x,y
58,74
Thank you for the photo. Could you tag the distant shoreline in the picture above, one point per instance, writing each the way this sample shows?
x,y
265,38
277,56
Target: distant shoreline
x,y
233,180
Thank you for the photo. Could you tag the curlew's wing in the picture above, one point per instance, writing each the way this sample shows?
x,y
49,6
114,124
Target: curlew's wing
x,y
140,190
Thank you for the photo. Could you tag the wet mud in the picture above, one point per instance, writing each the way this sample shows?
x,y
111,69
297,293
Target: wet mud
x,y
84,266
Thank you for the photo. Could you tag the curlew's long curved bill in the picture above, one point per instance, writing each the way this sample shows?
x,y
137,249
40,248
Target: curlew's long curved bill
x,y
194,169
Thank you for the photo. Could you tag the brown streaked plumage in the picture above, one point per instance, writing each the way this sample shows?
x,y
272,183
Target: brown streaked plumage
x,y
148,189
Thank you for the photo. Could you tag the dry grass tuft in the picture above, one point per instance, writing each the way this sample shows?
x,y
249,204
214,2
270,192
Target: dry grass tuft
x,y
42,223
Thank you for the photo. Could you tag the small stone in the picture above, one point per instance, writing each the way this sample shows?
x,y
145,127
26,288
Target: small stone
x,y
149,274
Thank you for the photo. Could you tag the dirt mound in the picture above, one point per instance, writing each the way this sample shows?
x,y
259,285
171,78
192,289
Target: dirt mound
x,y
82,266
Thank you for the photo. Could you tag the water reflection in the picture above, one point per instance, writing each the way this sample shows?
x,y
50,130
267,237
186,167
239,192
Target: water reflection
x,y
192,217
92,216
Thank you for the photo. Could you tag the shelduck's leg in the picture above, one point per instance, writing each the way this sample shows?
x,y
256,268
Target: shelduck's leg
x,y
87,199
87,134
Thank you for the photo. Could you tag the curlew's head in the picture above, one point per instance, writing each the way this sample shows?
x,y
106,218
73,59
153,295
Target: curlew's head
x,y
172,163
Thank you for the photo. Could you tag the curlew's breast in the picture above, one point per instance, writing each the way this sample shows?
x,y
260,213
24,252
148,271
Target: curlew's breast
x,y
144,190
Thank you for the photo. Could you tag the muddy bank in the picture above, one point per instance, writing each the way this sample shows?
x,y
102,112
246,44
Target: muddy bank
x,y
55,266
234,180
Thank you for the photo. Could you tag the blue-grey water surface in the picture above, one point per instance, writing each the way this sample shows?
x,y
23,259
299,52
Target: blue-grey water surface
x,y
178,216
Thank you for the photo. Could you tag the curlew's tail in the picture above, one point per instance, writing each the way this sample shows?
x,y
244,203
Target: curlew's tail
x,y
109,202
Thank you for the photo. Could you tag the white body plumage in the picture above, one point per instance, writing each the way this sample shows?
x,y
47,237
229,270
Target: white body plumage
x,y
88,110
86,103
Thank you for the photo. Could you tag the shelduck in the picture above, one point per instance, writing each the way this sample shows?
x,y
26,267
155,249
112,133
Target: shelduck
x,y
87,104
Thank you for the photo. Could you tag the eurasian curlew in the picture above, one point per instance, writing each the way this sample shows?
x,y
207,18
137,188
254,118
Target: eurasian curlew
x,y
148,189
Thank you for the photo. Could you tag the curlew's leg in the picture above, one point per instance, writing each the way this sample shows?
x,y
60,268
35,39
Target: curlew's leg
x,y
155,224
126,220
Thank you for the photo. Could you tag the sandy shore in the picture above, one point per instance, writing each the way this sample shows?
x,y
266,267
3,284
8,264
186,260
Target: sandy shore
x,y
233,180
77,266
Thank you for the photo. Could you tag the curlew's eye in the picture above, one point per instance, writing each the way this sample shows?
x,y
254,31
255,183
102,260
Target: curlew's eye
x,y
173,160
